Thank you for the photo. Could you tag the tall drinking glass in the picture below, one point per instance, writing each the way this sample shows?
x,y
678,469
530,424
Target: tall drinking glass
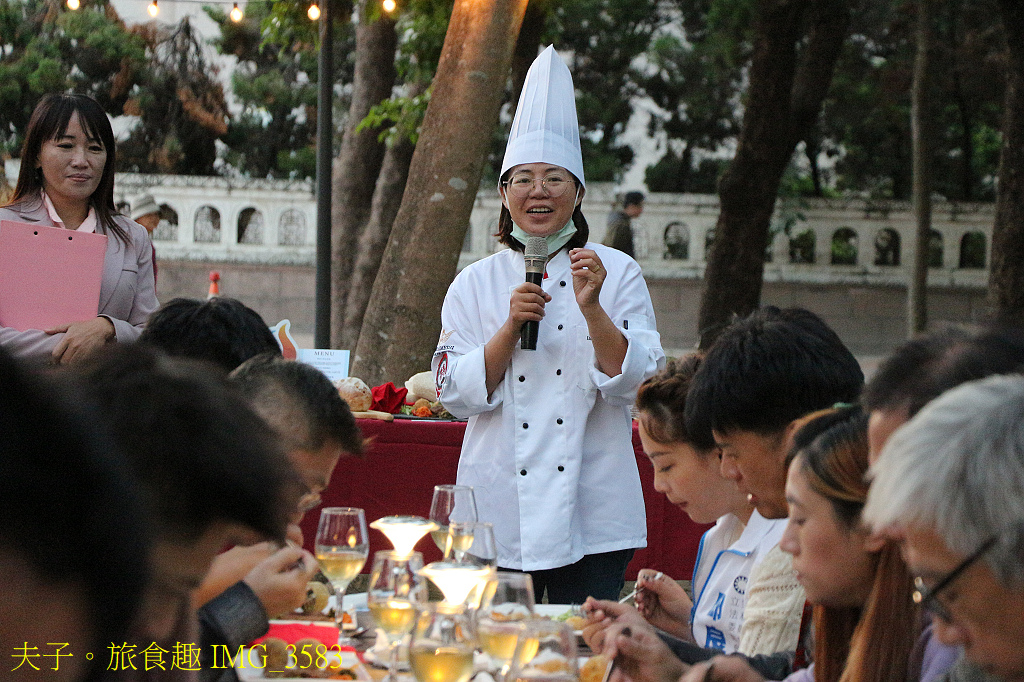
x,y
395,593
342,545
442,644
545,652
471,542
451,503
507,605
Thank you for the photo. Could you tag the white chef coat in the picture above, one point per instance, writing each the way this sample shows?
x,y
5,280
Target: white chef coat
x,y
549,453
721,576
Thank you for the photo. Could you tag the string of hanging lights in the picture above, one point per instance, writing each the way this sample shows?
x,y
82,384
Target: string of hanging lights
x,y
236,14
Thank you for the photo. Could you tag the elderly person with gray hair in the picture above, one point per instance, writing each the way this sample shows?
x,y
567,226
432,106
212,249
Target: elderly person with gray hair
x,y
950,485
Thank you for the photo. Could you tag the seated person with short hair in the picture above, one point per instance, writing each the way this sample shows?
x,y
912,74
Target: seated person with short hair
x,y
220,330
73,533
211,470
246,585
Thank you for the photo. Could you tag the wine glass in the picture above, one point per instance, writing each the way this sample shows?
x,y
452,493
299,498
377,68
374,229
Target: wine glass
x,y
403,532
442,644
451,503
507,605
395,591
471,542
545,652
342,545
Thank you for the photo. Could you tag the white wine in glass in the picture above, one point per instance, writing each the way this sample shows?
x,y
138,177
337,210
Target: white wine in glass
x,y
506,607
396,590
442,646
546,652
450,503
342,545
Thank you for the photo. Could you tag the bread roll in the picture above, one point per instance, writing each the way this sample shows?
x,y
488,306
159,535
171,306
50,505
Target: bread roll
x,y
355,392
421,386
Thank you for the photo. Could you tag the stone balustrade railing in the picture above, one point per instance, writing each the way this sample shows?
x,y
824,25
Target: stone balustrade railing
x,y
846,241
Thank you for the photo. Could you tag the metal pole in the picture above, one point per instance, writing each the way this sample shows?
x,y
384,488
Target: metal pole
x,y
324,156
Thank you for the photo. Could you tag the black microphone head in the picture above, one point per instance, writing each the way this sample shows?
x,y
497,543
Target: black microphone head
x,y
536,254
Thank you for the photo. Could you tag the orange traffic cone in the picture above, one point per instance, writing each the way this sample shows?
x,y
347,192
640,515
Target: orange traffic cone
x,y
214,285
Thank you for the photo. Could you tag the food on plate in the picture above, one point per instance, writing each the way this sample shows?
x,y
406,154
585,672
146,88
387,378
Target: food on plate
x,y
276,662
594,669
317,595
355,392
576,622
426,409
421,408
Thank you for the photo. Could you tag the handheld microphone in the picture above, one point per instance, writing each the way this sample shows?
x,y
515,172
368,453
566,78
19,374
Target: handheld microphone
x,y
536,255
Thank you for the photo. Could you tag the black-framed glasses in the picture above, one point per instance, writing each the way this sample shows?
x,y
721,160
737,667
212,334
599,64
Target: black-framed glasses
x,y
928,596
521,184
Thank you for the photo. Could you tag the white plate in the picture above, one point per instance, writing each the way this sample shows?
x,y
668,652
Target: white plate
x,y
552,610
382,661
249,666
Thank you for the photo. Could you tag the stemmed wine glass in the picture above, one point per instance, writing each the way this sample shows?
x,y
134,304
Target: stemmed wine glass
x,y
451,503
507,605
545,651
342,545
396,590
442,644
471,542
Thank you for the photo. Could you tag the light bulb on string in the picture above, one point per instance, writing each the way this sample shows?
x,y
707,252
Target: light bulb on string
x,y
74,4
389,6
236,14
314,12
153,9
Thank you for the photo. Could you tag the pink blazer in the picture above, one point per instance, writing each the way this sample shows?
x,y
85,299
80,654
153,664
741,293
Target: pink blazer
x,y
127,292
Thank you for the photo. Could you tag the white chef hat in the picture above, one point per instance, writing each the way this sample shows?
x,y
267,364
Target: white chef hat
x,y
545,129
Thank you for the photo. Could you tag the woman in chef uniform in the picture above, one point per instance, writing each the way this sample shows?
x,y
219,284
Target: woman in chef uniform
x,y
548,446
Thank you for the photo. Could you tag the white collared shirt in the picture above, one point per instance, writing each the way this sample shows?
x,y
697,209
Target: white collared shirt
x,y
722,575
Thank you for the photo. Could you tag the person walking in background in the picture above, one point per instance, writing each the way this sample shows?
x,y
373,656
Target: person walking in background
x,y
619,231
146,212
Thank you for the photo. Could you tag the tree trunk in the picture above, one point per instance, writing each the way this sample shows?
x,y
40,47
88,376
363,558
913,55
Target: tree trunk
x,y
387,198
783,103
921,143
403,320
1006,276
358,164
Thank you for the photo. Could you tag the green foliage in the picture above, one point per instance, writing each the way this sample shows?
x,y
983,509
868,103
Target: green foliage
x,y
181,107
276,80
398,118
605,37
44,47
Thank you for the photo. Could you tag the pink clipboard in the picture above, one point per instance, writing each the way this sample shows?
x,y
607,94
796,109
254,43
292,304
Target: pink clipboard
x,y
48,276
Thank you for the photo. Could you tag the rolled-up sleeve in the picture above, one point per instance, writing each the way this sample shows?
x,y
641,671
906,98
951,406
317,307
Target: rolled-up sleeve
x,y
633,314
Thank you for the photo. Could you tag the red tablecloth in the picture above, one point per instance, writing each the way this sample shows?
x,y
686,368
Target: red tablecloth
x,y
408,458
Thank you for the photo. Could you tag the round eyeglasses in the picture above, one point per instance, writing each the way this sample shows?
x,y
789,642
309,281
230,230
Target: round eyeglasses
x,y
929,597
554,185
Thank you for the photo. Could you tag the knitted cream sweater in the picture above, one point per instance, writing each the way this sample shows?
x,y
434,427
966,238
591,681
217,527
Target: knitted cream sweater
x,y
775,603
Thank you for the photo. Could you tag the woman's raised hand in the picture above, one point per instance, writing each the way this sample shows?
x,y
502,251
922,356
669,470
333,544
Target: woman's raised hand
x,y
588,274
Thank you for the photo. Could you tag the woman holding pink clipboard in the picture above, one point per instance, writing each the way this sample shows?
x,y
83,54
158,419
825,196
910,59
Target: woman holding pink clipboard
x,y
67,181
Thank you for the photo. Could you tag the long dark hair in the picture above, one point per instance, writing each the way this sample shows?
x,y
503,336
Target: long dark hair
x,y
871,643
49,122
504,233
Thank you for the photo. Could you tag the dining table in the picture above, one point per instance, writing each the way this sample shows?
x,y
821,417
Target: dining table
x,y
406,458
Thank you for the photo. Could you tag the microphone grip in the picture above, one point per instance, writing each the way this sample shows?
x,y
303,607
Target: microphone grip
x,y
531,328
